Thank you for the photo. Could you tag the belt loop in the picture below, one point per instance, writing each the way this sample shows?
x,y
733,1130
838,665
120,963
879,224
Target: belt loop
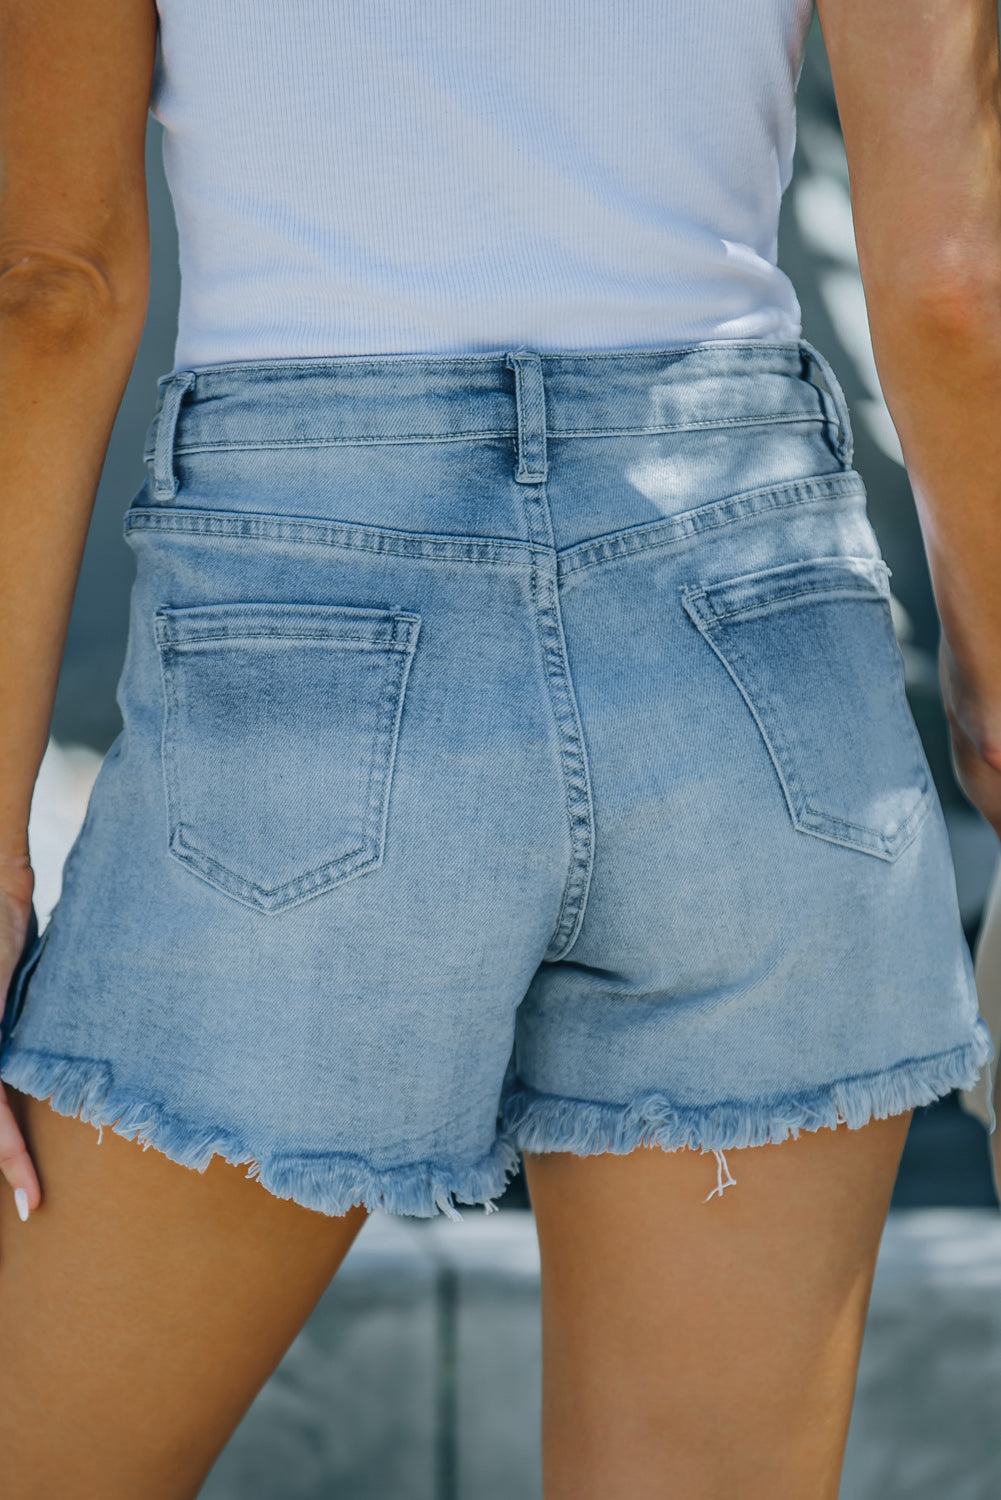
x,y
817,370
530,394
172,390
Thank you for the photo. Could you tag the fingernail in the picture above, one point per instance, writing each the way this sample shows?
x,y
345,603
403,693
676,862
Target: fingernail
x,y
21,1199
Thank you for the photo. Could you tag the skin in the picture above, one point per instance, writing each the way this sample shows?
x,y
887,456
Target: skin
x,y
707,1350
690,1348
142,1306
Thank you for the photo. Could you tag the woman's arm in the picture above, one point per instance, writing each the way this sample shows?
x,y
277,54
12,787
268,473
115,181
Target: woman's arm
x,y
75,78
74,280
917,85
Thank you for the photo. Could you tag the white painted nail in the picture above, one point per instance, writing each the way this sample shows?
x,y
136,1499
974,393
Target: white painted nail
x,y
21,1199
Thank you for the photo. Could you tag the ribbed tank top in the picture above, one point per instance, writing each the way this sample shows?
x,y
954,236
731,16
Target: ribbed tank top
x,y
396,176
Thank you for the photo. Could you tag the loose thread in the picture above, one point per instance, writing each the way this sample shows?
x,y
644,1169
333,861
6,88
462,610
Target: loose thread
x,y
721,1167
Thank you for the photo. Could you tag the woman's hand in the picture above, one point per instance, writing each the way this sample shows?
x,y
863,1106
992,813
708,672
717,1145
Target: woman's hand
x,y
975,728
17,883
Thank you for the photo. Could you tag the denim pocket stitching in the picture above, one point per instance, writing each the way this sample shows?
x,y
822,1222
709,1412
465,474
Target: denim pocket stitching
x,y
865,575
806,816
397,645
388,728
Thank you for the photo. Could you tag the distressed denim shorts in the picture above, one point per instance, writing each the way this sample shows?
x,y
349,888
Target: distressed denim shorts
x,y
515,754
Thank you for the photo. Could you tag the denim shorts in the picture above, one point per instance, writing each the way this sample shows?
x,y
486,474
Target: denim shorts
x,y
515,754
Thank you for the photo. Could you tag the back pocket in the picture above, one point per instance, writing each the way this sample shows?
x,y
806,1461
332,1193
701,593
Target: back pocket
x,y
279,741
811,646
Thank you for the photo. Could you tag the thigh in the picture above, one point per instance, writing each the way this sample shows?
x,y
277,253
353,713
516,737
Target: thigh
x,y
707,1348
142,1307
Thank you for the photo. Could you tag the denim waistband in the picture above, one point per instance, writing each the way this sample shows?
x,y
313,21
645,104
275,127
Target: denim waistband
x,y
530,396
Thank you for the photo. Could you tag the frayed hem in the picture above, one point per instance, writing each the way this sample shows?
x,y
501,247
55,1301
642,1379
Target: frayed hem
x,y
546,1122
330,1183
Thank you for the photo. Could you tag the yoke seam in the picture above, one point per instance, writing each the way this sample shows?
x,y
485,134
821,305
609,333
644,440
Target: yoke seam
x,y
250,526
718,513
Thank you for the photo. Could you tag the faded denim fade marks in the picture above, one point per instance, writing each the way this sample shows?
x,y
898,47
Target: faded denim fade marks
x,y
863,793
230,656
514,755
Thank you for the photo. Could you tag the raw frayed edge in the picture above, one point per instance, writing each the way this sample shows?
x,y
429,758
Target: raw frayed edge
x,y
331,1183
546,1122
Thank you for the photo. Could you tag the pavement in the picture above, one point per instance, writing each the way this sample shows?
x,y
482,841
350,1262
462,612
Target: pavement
x,y
417,1377
927,1418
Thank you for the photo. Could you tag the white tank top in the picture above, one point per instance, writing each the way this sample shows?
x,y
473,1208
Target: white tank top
x,y
425,176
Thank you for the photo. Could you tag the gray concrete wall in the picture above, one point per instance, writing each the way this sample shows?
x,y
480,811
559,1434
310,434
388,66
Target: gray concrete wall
x,y
418,1375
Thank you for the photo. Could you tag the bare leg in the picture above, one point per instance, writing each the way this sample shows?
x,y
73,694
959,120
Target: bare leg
x,y
707,1349
142,1308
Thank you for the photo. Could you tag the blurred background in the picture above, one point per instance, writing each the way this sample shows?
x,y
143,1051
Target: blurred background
x,y
946,1161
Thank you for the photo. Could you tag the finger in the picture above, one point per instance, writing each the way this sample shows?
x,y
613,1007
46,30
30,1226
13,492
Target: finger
x,y
15,1163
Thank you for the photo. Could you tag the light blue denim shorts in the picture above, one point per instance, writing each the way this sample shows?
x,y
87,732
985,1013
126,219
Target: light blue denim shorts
x,y
515,754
